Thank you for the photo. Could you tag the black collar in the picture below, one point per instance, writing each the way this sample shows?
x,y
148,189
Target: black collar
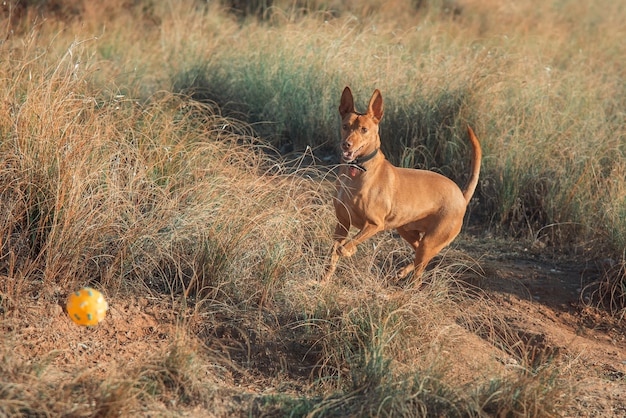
x,y
358,162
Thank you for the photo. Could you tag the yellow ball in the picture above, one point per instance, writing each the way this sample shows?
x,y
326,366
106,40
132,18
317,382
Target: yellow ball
x,y
87,306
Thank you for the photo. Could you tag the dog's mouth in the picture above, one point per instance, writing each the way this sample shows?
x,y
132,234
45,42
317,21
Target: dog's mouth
x,y
349,156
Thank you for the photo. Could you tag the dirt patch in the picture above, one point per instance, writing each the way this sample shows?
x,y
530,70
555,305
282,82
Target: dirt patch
x,y
134,327
538,297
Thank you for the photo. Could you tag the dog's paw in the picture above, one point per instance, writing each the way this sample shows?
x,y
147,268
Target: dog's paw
x,y
347,251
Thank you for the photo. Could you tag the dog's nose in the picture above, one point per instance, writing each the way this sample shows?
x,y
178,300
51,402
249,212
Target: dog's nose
x,y
346,145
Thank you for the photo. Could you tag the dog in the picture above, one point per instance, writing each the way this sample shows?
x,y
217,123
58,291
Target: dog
x,y
424,207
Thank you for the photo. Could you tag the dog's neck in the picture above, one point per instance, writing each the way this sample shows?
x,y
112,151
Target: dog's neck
x,y
357,163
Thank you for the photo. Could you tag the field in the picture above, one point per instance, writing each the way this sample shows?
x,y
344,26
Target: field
x,y
180,158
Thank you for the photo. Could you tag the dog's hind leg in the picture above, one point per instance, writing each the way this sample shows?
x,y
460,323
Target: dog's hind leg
x,y
339,236
426,246
413,237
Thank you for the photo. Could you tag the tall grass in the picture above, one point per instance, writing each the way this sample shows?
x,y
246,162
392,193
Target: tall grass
x,y
548,113
160,196
544,95
103,189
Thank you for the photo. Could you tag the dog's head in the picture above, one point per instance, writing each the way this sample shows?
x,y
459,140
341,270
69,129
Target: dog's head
x,y
359,131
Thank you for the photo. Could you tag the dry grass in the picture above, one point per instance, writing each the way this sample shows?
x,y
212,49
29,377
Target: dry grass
x,y
131,162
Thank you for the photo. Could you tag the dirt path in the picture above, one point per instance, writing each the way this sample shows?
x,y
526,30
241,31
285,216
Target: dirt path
x,y
539,297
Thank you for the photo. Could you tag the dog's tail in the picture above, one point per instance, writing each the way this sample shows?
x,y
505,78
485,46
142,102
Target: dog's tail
x,y
476,158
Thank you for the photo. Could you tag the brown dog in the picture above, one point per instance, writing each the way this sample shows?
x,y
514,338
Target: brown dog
x,y
425,208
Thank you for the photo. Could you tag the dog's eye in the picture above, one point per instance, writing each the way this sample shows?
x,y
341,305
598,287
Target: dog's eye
x,y
344,127
364,130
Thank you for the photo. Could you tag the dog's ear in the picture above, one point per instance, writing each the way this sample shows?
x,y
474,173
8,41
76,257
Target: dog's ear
x,y
347,102
375,108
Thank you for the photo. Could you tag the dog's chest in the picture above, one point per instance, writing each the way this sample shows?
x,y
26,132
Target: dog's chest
x,y
358,199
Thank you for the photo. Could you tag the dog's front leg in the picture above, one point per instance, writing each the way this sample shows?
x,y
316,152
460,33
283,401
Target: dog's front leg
x,y
369,230
340,235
